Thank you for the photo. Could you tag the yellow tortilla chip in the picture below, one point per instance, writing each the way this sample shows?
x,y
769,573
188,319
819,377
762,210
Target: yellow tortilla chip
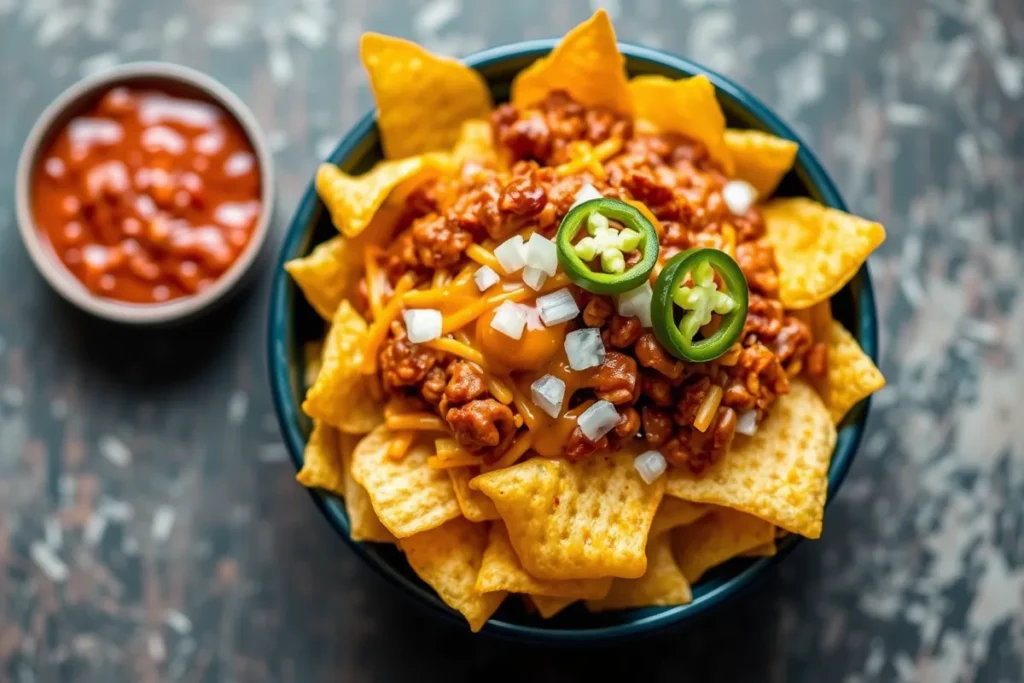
x,y
448,559
766,550
760,158
340,395
408,496
780,474
675,512
476,144
852,375
586,64
475,506
549,606
322,467
502,571
353,201
422,99
686,106
663,583
818,250
327,275
717,538
362,519
582,520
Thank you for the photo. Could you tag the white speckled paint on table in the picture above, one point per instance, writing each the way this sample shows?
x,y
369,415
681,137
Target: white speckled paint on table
x,y
149,527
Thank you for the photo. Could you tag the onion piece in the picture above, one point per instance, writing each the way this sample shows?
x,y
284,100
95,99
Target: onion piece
x,y
584,348
422,324
650,465
598,420
746,423
637,303
542,254
533,321
509,319
486,277
585,194
739,196
534,278
547,393
511,254
557,307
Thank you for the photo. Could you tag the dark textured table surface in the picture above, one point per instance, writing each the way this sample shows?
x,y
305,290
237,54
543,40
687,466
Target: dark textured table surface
x,y
150,528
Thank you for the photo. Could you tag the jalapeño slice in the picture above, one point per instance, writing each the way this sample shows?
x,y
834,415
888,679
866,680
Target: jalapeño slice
x,y
697,302
606,245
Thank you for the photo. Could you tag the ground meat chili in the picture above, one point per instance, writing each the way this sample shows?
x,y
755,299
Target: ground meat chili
x,y
147,197
659,398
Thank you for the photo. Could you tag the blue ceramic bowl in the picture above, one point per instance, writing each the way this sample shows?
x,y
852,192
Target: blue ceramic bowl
x,y
292,322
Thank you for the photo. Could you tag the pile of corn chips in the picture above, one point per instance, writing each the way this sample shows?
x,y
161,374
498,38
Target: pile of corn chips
x,y
553,531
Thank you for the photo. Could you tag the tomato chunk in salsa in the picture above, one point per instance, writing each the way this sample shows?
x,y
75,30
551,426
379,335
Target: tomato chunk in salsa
x,y
147,197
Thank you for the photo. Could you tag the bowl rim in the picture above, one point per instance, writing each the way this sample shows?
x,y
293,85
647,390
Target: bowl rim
x,y
287,412
56,273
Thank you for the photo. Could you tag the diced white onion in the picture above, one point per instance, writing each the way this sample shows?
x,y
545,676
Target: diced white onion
x,y
746,423
533,321
422,324
548,393
542,254
485,277
585,194
511,254
509,319
650,466
534,277
584,348
637,303
739,196
598,420
557,307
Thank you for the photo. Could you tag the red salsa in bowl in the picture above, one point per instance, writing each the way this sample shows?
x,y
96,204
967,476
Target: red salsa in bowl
x,y
147,196
145,193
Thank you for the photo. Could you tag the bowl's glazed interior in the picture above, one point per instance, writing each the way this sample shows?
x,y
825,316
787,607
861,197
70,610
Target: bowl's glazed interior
x,y
293,322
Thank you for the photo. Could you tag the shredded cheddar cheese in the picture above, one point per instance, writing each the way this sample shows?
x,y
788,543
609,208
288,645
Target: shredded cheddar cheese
x,y
371,254
583,156
400,445
423,422
441,278
513,454
484,257
456,348
526,409
379,329
467,315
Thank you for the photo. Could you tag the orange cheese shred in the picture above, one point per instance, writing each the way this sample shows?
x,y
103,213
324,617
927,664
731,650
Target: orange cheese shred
x,y
399,446
379,329
456,348
484,257
422,422
460,319
513,454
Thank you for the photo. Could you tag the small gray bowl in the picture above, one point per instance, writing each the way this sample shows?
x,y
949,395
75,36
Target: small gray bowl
x,y
177,80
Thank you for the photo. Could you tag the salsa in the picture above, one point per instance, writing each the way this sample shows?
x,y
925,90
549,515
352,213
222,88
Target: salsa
x,y
146,196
